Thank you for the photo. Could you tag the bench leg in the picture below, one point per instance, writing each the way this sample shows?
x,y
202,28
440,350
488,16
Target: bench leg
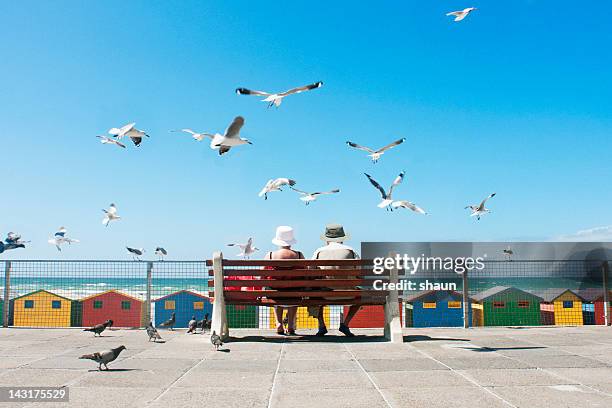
x,y
219,315
393,322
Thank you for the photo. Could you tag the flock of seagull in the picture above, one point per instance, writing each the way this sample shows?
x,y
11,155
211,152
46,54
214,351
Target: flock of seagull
x,y
231,138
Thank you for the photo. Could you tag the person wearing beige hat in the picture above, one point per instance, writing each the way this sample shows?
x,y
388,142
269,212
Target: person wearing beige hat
x,y
284,239
334,249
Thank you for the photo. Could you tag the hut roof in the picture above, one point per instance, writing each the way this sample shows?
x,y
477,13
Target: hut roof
x,y
550,295
182,291
110,291
420,294
496,290
42,290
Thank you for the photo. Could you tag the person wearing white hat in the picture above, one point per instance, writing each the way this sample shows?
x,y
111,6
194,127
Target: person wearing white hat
x,y
284,239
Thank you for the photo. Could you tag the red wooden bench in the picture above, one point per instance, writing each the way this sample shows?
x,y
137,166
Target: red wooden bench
x,y
299,282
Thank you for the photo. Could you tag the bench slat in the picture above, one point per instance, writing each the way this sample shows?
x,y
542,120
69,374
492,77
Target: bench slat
x,y
307,302
300,272
294,262
302,293
317,283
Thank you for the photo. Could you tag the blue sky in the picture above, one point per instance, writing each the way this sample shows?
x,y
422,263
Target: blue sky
x,y
516,99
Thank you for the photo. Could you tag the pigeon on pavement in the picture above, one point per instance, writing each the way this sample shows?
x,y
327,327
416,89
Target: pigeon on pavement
x,y
170,322
153,333
99,328
104,357
216,340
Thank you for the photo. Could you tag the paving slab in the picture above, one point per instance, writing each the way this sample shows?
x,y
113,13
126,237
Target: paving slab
x,y
418,379
337,398
442,397
554,396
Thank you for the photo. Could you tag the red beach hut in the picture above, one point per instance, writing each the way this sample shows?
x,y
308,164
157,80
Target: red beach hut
x,y
124,310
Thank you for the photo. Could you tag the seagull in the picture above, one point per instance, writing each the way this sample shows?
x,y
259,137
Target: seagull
x,y
230,138
386,196
307,197
12,241
275,185
99,328
408,205
460,15
275,99
153,333
60,238
480,210
247,249
161,252
191,326
108,140
508,252
136,252
375,154
196,136
110,215
216,340
104,357
130,131
170,322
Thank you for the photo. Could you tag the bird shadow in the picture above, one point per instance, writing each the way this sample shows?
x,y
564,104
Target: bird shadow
x,y
116,370
307,339
224,350
158,342
412,338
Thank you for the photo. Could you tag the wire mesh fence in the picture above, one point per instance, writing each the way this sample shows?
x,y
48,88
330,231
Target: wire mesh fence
x,y
503,293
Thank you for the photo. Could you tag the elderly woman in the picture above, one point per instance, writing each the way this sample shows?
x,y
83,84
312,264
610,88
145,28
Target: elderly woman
x,y
284,239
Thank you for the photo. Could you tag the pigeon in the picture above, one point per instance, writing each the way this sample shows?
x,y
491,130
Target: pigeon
x,y
110,215
408,205
196,136
508,252
130,131
152,333
104,357
275,185
216,340
386,196
191,326
204,323
161,252
230,138
12,241
136,252
247,249
375,154
108,140
60,238
480,210
169,323
99,328
461,14
275,99
307,197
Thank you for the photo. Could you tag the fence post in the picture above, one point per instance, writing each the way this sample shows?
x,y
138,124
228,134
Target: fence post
x,y
393,323
467,304
7,293
149,287
606,298
219,314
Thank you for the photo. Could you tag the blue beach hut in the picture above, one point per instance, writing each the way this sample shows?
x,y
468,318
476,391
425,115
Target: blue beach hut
x,y
184,304
437,308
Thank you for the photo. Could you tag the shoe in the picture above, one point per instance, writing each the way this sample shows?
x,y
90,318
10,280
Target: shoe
x,y
291,332
322,332
280,330
344,329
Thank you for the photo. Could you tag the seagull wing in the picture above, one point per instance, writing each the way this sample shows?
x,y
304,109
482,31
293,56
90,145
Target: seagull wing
x,y
137,140
482,204
245,91
398,180
455,13
299,191
118,143
302,89
389,146
188,131
336,190
409,205
234,128
356,146
378,186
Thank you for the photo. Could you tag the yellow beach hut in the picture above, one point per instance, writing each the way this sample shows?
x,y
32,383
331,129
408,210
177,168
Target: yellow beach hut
x,y
41,309
567,307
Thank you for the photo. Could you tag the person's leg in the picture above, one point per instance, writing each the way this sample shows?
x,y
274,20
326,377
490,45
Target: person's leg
x,y
278,312
291,317
321,318
345,321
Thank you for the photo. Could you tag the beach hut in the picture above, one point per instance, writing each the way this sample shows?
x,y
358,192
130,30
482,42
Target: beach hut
x,y
124,310
41,309
508,306
184,304
566,305
242,316
371,316
599,308
593,302
437,308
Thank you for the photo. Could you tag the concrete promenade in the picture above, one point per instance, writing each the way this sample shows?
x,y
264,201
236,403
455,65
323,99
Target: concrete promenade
x,y
484,367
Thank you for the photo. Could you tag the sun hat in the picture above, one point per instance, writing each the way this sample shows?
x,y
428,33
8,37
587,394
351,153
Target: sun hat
x,y
335,233
284,236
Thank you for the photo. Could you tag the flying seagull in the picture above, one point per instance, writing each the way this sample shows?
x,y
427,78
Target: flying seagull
x,y
508,252
130,131
461,14
275,185
99,328
216,340
275,99
136,252
230,138
191,326
247,249
108,140
161,252
60,238
110,215
153,333
375,154
386,196
408,205
12,241
307,197
196,136
104,357
170,322
480,210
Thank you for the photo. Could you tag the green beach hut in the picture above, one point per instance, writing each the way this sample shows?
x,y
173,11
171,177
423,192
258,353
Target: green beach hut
x,y
509,306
